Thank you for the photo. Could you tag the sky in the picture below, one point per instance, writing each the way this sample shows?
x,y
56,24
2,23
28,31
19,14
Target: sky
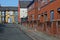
x,y
10,2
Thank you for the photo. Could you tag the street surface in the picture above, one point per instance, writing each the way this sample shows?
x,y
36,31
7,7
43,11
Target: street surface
x,y
12,32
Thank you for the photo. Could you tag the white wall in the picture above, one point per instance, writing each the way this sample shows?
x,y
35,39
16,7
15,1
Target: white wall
x,y
23,12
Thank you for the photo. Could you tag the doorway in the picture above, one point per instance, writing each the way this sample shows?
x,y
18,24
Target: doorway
x,y
10,20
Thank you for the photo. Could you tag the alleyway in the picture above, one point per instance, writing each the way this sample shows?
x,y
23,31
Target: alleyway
x,y
12,32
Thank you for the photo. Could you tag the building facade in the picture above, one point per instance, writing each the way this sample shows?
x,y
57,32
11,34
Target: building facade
x,y
8,14
22,4
44,15
32,13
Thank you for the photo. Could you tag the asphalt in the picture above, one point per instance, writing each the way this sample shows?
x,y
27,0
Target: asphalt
x,y
12,32
37,35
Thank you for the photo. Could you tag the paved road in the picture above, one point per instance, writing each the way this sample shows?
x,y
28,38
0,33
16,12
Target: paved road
x,y
12,32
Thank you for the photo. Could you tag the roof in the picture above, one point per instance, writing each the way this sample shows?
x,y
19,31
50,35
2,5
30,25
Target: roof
x,y
24,4
8,8
25,0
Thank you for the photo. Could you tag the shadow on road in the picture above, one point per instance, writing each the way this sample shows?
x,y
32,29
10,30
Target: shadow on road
x,y
2,27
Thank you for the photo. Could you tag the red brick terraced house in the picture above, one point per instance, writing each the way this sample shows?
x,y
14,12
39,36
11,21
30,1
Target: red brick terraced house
x,y
44,15
32,14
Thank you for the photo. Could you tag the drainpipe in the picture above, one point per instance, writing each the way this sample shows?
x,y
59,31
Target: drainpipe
x,y
19,20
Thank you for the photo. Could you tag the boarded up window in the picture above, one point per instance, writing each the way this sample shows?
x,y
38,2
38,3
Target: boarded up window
x,y
41,24
39,17
45,16
51,15
48,24
51,0
58,10
0,12
32,17
58,23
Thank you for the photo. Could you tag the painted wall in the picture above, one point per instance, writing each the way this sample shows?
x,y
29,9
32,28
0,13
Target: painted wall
x,y
23,12
10,16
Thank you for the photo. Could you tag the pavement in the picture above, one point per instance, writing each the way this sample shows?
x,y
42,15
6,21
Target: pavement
x,y
12,32
20,32
37,35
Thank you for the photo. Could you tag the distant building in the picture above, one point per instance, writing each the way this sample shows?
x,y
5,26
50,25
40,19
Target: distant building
x,y
22,4
8,14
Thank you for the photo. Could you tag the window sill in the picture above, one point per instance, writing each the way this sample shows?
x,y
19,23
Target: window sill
x,y
58,19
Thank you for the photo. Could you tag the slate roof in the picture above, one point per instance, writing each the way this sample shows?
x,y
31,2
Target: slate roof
x,y
24,4
2,8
